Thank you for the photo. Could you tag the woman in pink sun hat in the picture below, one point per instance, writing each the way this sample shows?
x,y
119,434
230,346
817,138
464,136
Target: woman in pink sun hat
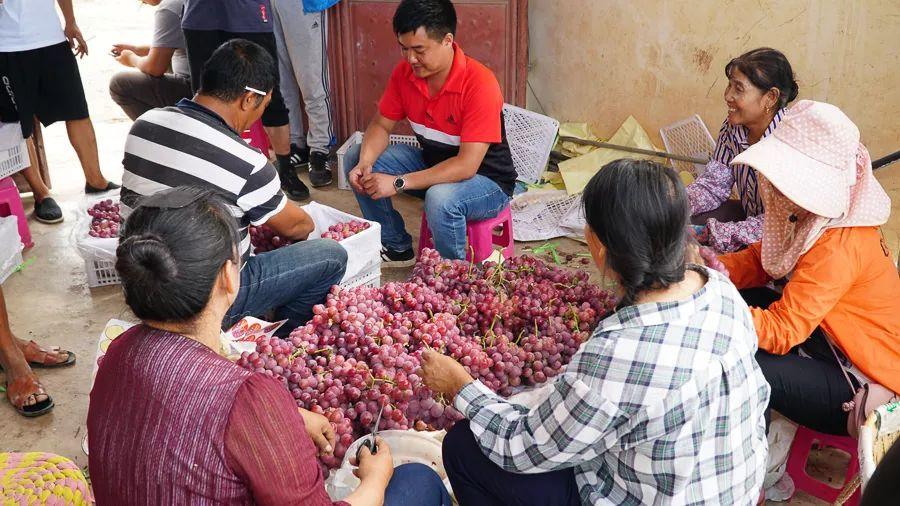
x,y
833,331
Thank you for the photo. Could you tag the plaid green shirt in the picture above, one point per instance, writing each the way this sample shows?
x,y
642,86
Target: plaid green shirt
x,y
662,405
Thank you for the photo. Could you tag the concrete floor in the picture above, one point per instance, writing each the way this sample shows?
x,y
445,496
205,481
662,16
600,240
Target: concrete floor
x,y
49,300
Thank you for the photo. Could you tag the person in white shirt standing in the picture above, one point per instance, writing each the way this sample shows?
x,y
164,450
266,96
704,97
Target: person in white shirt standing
x,y
163,74
40,78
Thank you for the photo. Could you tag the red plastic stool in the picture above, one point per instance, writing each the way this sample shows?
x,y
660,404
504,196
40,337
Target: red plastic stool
x,y
257,137
796,464
11,204
482,236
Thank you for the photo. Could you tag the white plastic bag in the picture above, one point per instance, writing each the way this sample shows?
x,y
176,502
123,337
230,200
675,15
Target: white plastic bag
x,y
363,249
407,446
10,246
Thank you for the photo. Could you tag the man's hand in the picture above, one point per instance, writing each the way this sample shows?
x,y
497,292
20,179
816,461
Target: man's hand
x,y
125,57
443,374
379,186
357,174
320,430
118,48
76,40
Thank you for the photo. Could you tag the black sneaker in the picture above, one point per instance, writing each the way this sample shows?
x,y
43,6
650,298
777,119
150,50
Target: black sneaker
x,y
393,259
291,184
47,211
110,186
319,173
299,157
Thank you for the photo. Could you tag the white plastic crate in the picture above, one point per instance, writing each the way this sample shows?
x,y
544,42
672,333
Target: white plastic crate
x,y
371,278
688,137
357,138
101,272
13,160
99,254
530,137
363,249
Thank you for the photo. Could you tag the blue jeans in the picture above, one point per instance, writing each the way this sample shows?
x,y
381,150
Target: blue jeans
x,y
290,281
448,206
416,485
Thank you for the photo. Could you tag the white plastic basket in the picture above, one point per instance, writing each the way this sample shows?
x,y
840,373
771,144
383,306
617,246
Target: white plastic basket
x,y
363,249
688,137
531,137
99,254
539,215
357,138
13,160
372,278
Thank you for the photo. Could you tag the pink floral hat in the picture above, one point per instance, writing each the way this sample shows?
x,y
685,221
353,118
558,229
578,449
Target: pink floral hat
x,y
814,162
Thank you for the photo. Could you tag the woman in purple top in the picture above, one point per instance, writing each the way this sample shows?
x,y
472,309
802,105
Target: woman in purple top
x,y
173,422
760,85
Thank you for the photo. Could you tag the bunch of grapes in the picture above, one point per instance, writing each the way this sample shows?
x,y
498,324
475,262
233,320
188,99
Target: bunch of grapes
x,y
509,325
105,219
264,239
341,231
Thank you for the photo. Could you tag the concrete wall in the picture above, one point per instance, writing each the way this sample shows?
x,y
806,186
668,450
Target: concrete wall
x,y
663,60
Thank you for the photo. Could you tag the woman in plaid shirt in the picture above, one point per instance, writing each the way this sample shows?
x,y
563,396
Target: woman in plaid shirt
x,y
664,404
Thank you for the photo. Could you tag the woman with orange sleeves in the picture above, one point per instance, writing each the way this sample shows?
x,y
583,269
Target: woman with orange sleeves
x,y
833,331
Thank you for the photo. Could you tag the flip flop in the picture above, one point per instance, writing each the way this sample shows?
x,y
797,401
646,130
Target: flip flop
x,y
46,362
29,383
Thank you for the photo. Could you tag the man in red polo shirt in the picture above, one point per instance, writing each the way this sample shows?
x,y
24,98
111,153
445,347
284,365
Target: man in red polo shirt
x,y
464,170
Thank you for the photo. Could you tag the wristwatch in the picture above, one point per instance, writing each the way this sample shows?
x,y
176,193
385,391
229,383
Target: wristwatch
x,y
399,184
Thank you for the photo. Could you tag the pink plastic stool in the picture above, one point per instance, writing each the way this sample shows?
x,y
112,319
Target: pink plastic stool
x,y
257,137
796,464
11,204
481,234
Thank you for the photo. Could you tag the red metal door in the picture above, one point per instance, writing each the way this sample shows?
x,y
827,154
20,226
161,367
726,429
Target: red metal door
x,y
363,50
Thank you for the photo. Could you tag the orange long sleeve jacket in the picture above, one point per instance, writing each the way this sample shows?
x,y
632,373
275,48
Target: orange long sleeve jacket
x,y
846,284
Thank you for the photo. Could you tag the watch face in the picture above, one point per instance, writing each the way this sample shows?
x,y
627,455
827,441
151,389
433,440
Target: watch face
x,y
398,183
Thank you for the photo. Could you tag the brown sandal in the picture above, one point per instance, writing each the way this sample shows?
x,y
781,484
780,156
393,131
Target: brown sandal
x,y
24,388
44,359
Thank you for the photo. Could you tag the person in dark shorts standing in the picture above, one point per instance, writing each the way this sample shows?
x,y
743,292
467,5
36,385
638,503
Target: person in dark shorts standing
x,y
207,24
39,77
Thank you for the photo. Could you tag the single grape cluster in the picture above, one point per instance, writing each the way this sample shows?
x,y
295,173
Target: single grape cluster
x,y
712,260
264,239
511,325
341,231
105,219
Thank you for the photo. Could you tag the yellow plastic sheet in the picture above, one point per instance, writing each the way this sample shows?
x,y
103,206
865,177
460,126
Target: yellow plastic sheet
x,y
576,172
579,131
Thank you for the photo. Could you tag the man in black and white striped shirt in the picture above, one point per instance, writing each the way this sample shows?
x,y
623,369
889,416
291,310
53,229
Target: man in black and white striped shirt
x,y
197,143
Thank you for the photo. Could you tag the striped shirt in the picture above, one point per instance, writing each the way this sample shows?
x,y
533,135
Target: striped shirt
x,y
663,404
190,145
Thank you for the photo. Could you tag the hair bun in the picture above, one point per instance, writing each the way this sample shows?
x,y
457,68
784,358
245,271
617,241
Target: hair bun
x,y
149,255
793,91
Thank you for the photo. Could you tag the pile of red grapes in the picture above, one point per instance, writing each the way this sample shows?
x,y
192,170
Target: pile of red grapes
x,y
511,325
264,239
341,231
105,219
